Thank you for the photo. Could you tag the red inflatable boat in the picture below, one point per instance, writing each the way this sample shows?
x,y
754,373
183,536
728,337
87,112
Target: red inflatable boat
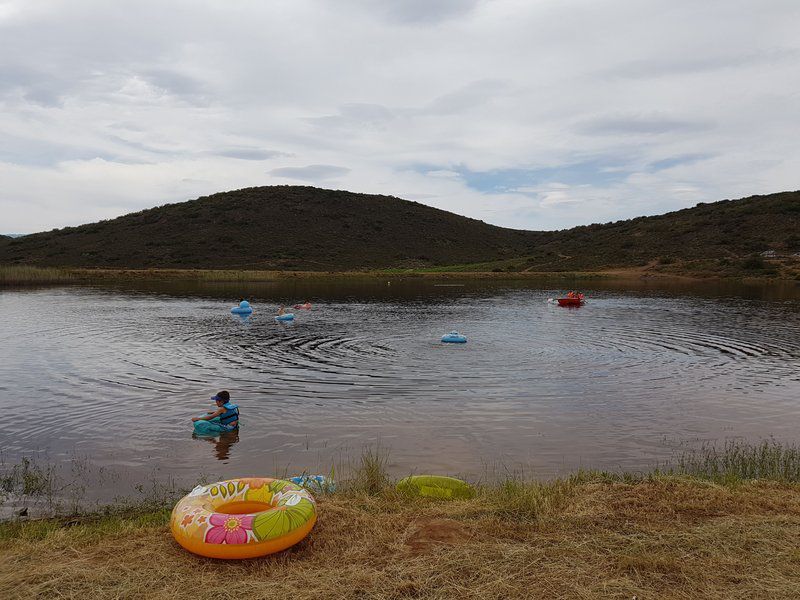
x,y
570,301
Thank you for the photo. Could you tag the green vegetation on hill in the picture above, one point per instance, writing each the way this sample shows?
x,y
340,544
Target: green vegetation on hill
x,y
305,228
725,237
282,227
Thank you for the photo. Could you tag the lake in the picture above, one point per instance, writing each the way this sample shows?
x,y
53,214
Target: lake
x,y
111,376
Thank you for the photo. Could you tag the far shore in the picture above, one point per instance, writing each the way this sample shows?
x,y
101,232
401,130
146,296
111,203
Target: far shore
x,y
22,274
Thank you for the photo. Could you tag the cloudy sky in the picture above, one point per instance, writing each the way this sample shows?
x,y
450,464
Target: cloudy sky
x,y
537,114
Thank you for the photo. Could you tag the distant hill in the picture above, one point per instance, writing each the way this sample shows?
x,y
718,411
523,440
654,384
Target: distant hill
x,y
305,228
717,236
280,227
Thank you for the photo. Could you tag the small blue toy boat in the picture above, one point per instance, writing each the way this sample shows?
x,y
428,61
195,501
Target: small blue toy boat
x,y
454,338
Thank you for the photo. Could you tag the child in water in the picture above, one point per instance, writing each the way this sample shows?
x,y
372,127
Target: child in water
x,y
227,412
281,310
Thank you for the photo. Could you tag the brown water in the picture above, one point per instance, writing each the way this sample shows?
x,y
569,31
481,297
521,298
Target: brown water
x,y
113,376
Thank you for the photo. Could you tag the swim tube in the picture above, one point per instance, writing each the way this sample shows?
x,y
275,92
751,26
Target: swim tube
x,y
243,518
286,317
243,308
454,338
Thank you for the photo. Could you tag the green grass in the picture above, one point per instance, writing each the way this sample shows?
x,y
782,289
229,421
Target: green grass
x,y
738,461
510,496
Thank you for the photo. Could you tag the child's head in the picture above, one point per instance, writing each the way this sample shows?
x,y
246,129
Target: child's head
x,y
221,398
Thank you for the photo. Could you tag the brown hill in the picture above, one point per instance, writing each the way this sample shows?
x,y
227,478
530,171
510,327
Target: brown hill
x,y
305,228
280,227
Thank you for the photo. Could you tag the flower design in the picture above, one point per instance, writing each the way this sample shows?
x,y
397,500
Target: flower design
x,y
187,520
229,529
254,482
201,519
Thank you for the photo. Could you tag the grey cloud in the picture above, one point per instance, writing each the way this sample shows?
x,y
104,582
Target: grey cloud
x,y
639,125
677,161
33,85
658,67
148,148
311,172
42,153
244,153
177,84
363,115
417,11
474,94
355,116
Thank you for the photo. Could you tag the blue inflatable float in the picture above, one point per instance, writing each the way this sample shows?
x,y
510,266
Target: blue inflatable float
x,y
242,309
454,338
286,317
212,427
317,483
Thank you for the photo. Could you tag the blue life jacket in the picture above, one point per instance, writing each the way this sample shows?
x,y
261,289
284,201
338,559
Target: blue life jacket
x,y
230,415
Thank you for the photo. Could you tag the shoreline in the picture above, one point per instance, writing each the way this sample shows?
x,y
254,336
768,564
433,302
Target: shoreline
x,y
723,524
588,536
23,275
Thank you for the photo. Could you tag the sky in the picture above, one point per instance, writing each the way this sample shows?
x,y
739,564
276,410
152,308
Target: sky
x,y
532,114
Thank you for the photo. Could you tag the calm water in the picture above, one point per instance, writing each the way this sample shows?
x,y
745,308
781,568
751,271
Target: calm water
x,y
114,375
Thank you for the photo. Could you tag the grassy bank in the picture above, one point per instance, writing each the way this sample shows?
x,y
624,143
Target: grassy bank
x,y
714,534
21,275
14,275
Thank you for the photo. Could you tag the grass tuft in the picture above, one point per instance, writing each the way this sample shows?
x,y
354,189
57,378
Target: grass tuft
x,y
528,500
370,476
737,461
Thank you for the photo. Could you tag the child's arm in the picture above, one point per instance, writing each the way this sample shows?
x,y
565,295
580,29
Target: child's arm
x,y
210,415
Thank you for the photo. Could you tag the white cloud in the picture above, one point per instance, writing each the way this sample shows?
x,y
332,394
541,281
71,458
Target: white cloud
x,y
590,111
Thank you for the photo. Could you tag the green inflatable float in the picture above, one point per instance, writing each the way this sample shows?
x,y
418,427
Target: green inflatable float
x,y
436,486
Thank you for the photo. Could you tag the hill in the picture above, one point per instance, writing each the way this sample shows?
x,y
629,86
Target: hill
x,y
305,228
281,227
728,236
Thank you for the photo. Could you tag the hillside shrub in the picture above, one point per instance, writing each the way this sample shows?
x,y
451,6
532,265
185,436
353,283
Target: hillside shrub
x,y
753,262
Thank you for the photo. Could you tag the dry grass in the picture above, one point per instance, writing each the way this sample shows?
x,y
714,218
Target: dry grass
x,y
222,275
662,537
26,275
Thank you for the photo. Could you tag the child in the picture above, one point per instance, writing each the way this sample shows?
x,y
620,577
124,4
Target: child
x,y
227,412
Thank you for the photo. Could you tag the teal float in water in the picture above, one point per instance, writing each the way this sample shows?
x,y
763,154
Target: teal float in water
x,y
286,317
211,427
244,308
454,338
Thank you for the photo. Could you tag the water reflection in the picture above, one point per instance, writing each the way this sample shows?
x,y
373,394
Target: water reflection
x,y
222,442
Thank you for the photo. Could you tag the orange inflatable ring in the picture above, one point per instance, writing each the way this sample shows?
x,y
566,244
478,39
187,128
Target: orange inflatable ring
x,y
243,518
